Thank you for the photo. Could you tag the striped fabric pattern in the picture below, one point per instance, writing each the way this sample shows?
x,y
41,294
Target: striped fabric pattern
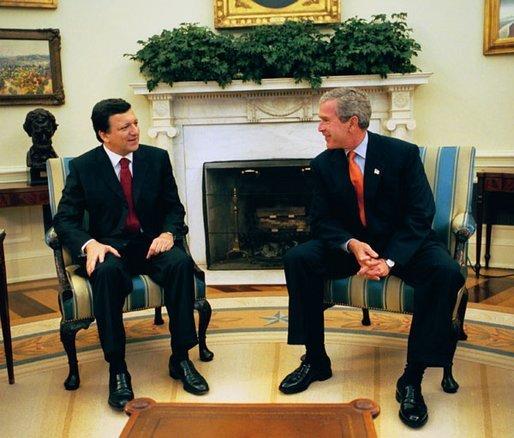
x,y
449,171
146,294
78,305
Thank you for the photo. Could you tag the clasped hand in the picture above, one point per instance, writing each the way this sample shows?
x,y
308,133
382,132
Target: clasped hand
x,y
96,251
371,266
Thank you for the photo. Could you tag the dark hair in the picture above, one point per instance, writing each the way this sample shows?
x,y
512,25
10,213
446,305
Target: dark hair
x,y
105,109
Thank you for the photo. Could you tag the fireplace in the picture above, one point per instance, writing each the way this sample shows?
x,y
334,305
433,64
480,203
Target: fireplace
x,y
200,123
254,211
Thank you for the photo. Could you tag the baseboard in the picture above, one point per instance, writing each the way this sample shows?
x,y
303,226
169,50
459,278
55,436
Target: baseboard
x,y
30,268
502,247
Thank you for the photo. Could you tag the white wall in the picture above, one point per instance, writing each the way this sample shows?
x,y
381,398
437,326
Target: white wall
x,y
469,99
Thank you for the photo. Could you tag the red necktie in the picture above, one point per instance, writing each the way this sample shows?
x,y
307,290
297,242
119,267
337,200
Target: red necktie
x,y
132,224
358,184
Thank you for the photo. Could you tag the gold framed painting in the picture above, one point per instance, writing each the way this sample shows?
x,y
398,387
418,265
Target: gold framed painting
x,y
245,13
498,27
29,3
30,67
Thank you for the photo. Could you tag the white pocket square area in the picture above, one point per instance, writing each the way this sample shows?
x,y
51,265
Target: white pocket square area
x,y
376,172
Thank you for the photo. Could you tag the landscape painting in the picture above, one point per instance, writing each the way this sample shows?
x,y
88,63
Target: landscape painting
x,y
25,68
30,69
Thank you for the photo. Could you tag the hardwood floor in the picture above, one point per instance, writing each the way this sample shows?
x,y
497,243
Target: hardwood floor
x,y
37,300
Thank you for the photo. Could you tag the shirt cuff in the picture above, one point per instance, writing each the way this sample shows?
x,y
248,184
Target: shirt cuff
x,y
84,246
345,245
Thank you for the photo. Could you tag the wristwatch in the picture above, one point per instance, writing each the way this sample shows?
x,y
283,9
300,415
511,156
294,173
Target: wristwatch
x,y
390,263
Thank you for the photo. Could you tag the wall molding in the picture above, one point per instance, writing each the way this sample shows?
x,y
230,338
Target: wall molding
x,y
11,174
491,159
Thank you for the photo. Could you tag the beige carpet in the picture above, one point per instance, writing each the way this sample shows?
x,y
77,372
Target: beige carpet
x,y
251,359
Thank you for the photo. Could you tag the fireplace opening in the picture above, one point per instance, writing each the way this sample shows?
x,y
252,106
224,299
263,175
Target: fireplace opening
x,y
254,211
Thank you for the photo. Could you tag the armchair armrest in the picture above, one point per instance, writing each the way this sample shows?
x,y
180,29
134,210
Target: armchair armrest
x,y
463,226
52,240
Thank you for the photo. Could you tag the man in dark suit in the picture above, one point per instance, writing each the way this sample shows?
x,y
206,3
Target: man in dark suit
x,y
135,217
371,215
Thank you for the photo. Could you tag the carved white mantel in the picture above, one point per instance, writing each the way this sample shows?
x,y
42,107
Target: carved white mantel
x,y
275,100
200,122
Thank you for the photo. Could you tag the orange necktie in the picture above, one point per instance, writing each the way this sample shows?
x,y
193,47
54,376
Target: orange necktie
x,y
358,184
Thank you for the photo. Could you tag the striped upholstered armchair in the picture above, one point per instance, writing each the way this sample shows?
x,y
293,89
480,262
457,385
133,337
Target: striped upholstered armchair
x,y
75,299
450,172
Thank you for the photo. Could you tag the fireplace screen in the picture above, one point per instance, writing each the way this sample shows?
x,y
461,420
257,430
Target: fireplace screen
x,y
254,211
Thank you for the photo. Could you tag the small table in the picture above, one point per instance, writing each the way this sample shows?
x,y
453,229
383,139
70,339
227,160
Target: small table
x,y
495,205
20,194
17,195
217,420
4,313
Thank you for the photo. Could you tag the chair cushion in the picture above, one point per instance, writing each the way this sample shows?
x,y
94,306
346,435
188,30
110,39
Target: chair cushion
x,y
146,294
390,293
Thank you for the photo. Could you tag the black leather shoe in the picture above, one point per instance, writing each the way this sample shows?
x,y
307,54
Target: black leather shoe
x,y
413,410
300,379
120,390
192,380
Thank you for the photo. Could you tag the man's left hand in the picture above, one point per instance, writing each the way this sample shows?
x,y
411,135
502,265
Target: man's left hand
x,y
374,269
164,242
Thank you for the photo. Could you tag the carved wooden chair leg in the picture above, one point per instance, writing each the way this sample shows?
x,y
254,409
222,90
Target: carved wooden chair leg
x,y
68,333
461,313
449,384
204,312
158,316
365,317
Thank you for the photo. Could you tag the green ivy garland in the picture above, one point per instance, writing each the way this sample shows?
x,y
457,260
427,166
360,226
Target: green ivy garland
x,y
296,49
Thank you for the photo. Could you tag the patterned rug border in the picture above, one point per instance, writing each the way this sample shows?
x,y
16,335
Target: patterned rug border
x,y
278,317
250,308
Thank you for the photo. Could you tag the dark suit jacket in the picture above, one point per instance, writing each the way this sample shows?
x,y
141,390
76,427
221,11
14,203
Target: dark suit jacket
x,y
398,201
92,187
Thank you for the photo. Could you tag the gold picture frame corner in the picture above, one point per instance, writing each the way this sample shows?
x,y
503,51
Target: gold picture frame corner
x,y
493,44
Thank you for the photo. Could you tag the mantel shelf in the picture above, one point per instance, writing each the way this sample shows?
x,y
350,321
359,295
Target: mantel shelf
x,y
281,84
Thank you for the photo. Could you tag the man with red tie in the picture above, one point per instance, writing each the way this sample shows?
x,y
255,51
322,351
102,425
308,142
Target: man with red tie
x,y
135,223
371,215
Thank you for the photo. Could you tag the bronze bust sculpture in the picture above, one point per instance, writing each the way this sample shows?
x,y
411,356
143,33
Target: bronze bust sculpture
x,y
39,124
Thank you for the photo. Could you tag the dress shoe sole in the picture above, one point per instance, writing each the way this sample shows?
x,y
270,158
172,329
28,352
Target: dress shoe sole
x,y
189,389
414,424
117,406
296,390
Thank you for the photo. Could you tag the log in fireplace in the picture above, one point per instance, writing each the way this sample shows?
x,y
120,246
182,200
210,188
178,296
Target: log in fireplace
x,y
254,211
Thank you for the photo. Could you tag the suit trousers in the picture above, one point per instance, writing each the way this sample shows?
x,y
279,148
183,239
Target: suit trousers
x,y
111,283
435,276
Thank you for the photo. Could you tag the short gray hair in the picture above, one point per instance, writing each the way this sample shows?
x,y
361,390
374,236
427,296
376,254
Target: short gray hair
x,y
350,102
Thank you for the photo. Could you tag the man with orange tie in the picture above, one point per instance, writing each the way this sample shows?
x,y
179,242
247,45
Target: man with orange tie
x,y
371,215
135,226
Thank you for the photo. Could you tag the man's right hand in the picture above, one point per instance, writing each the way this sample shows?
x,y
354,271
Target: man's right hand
x,y
362,251
364,254
95,252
